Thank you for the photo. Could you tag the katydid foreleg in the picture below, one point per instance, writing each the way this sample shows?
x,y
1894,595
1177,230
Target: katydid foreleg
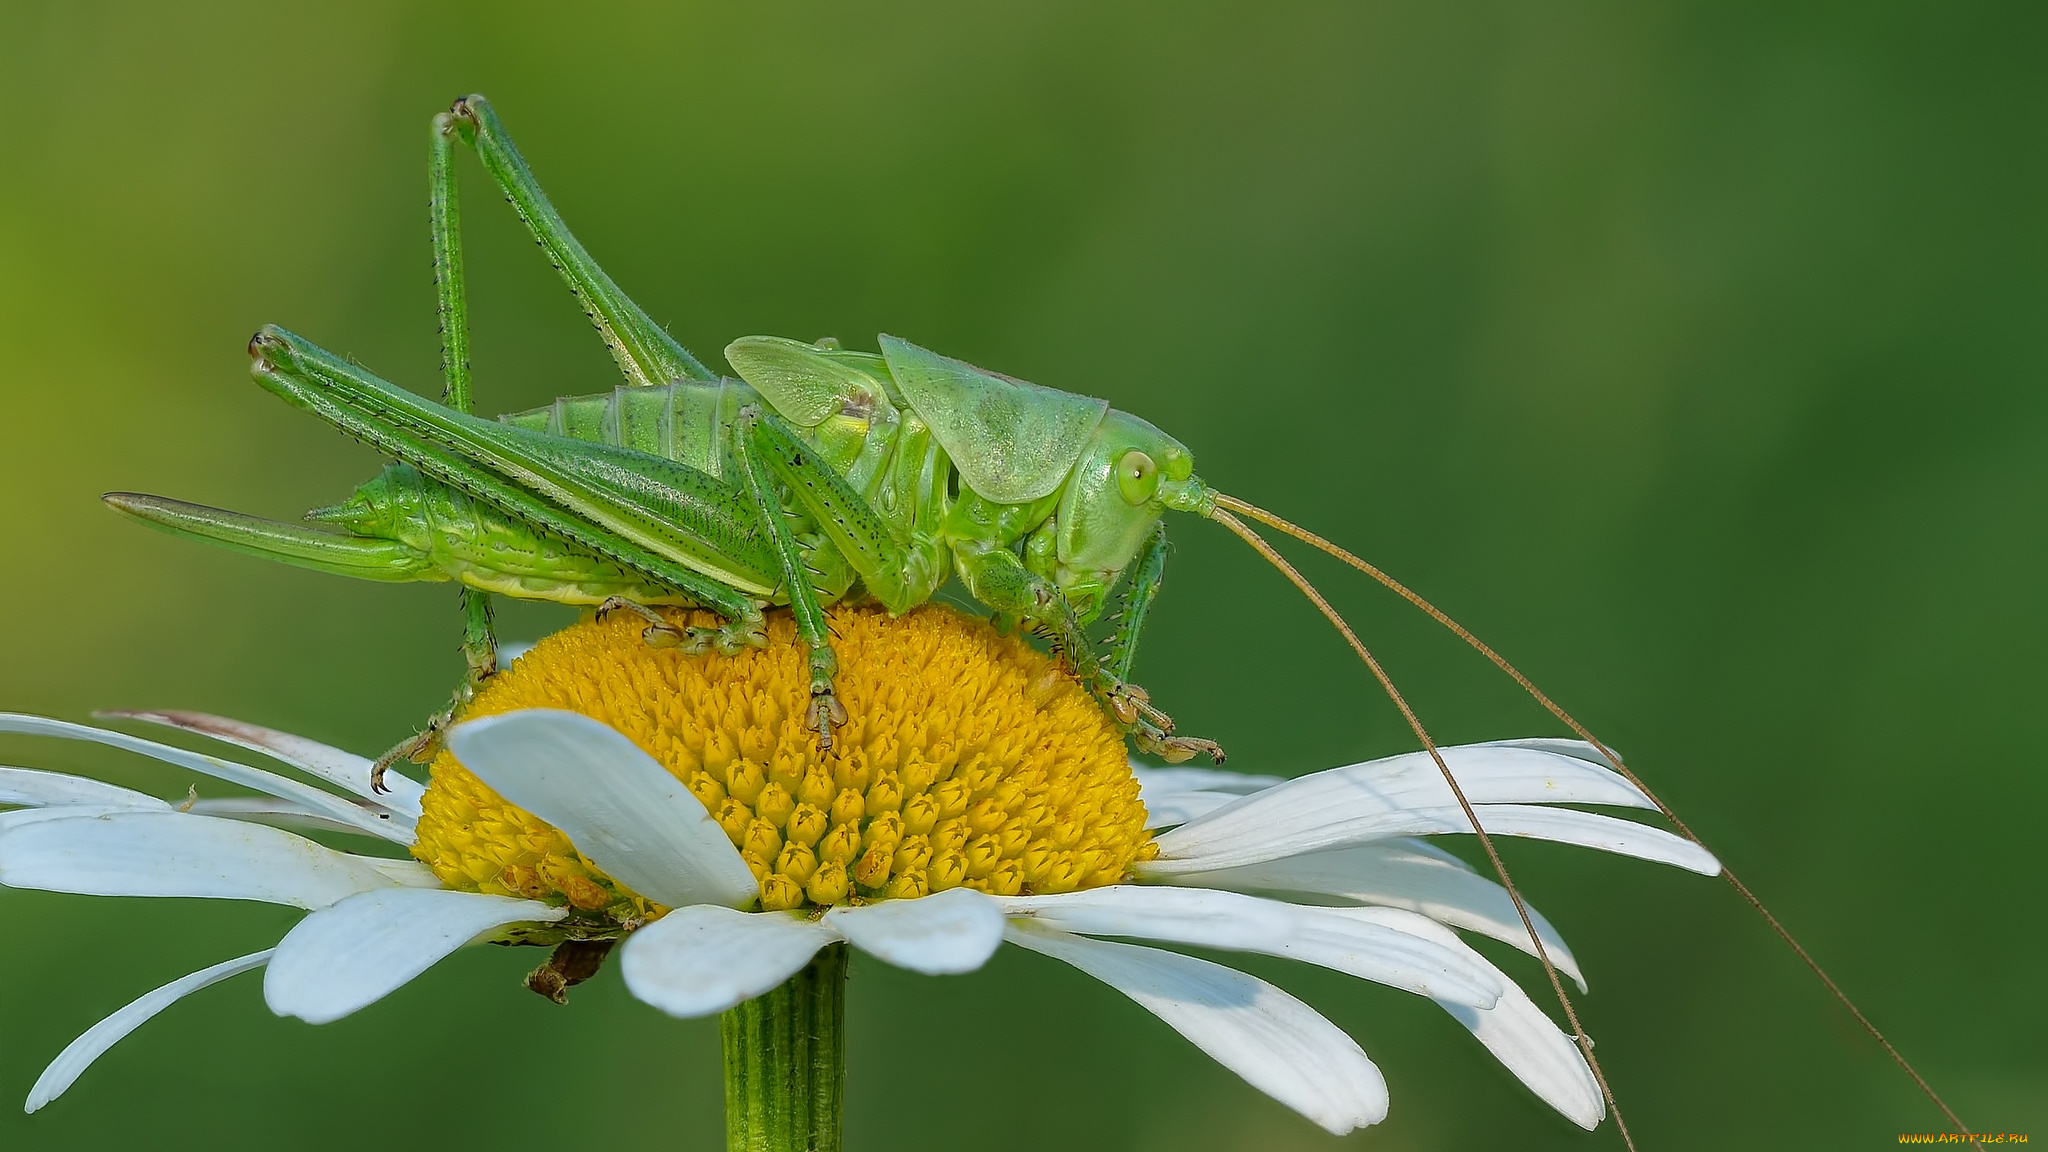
x,y
995,576
1147,575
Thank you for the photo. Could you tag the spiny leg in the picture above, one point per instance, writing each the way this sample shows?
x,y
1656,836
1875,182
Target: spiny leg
x,y
444,217
825,712
898,568
427,436
660,633
1147,574
479,644
480,654
645,352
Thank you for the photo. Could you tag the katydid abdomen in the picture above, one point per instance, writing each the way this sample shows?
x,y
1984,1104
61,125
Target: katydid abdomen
x,y
459,538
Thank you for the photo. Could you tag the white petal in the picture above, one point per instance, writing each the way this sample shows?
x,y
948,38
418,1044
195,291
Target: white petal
x,y
342,769
1160,781
510,650
701,960
21,817
1562,745
80,1053
31,788
265,810
313,798
1278,1044
1172,808
361,950
404,873
1523,1039
1399,874
178,854
1385,951
1343,806
1565,825
614,802
947,932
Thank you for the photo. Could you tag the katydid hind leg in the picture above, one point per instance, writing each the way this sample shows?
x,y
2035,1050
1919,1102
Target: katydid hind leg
x,y
444,216
451,305
645,352
825,713
405,427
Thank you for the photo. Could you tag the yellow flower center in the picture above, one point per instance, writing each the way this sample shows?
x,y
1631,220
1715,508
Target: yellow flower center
x,y
967,759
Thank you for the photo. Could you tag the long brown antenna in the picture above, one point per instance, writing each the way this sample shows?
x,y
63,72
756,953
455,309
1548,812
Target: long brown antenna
x,y
1500,867
1500,662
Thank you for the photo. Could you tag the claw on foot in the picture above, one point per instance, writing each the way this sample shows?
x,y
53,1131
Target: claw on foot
x,y
1152,729
666,635
659,634
1181,749
1132,705
728,637
1128,702
825,714
417,749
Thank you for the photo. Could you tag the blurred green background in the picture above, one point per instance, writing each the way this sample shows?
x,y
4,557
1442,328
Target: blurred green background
x,y
1691,353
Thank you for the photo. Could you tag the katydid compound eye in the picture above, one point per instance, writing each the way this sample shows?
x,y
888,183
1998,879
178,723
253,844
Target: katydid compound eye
x,y
1137,477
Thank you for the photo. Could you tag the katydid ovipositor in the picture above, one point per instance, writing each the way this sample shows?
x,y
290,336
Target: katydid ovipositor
x,y
820,474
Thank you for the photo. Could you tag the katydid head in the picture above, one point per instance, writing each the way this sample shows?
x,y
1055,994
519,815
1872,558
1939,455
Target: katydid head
x,y
1128,475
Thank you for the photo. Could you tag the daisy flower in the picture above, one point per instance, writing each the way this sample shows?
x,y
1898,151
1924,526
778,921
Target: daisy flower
x,y
601,792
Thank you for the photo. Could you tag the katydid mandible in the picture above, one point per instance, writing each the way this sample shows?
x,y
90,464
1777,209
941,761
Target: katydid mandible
x,y
818,475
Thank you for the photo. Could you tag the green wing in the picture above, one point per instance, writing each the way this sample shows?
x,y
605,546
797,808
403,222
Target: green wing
x,y
806,384
1012,441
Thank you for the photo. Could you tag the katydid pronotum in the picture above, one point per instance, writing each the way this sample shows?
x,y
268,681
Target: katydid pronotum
x,y
820,474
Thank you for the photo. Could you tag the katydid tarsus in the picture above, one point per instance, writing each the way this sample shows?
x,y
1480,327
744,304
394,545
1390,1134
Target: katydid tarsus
x,y
820,474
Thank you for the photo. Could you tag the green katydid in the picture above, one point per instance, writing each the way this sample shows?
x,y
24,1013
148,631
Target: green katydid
x,y
819,474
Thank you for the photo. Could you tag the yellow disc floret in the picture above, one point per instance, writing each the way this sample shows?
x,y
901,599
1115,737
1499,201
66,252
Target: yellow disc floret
x,y
967,759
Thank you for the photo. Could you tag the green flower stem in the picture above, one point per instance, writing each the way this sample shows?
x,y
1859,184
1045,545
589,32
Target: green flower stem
x,y
785,1062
